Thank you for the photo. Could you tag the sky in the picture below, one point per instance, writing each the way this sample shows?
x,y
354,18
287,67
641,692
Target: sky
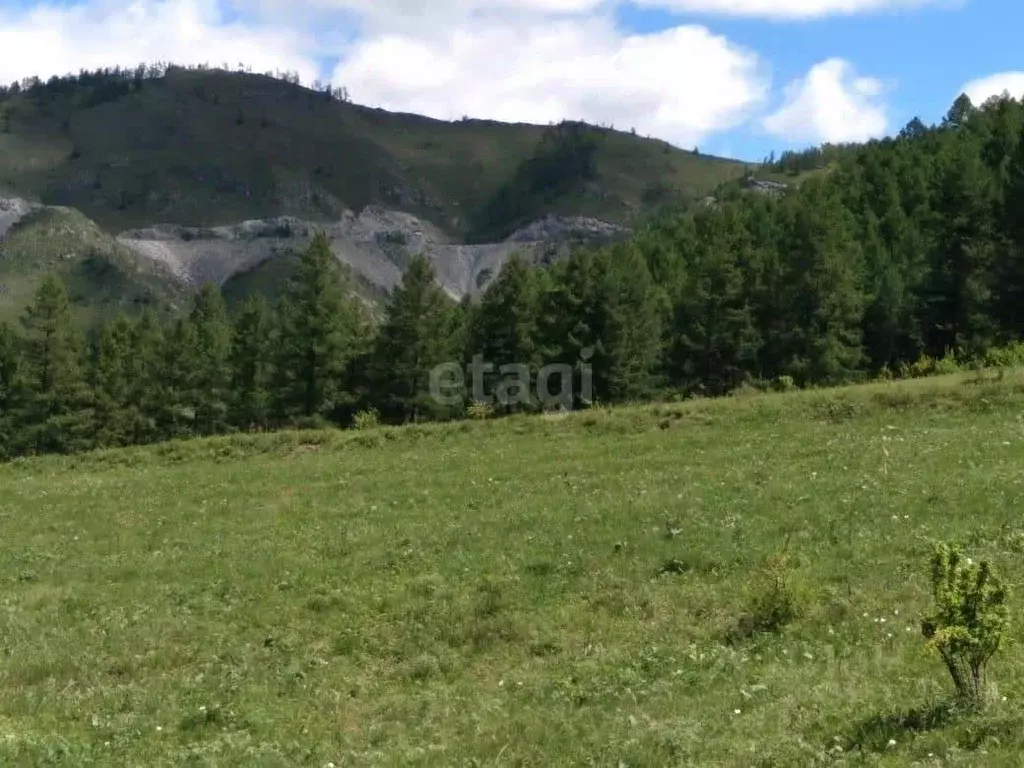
x,y
737,78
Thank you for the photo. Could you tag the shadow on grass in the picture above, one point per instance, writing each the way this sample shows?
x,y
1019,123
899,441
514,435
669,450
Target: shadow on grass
x,y
874,734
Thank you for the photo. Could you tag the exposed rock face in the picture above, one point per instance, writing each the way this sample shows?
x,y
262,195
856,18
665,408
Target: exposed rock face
x,y
775,188
377,244
12,210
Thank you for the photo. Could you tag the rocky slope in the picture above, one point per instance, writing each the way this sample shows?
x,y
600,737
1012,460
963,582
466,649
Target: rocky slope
x,y
376,244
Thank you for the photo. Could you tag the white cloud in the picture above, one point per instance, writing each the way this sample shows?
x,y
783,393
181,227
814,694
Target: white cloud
x,y
789,9
680,84
830,104
58,39
982,89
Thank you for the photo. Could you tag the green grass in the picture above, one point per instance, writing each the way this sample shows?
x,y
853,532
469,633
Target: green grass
x,y
490,593
214,147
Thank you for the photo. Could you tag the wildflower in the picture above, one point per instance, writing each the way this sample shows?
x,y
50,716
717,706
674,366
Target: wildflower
x,y
737,712
892,742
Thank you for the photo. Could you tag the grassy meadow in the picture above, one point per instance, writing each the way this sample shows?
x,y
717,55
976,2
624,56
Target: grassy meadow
x,y
532,591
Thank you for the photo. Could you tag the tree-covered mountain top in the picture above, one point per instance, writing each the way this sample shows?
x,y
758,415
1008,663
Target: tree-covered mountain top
x,y
204,147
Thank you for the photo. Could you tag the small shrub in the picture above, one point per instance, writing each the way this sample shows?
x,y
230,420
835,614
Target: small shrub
x,y
480,411
368,419
784,384
1005,357
947,365
970,618
775,600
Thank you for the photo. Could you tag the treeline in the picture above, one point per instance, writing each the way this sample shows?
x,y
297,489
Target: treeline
x,y
910,248
93,87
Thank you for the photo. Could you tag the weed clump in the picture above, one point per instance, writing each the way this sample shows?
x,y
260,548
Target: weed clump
x,y
369,419
776,599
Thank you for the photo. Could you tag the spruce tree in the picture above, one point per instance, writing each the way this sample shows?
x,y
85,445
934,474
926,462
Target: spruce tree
x,y
9,354
714,340
113,384
630,325
213,370
504,330
53,404
318,330
417,334
146,376
252,364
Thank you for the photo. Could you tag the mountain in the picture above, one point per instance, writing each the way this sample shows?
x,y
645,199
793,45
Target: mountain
x,y
202,174
104,276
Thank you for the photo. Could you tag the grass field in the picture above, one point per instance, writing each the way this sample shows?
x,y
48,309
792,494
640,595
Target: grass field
x,y
491,593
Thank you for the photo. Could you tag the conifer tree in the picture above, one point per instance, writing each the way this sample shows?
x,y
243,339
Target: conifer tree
x,y
504,330
8,372
252,364
213,370
114,385
53,410
630,326
318,326
418,334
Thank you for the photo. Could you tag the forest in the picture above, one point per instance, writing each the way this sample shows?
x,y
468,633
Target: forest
x,y
905,249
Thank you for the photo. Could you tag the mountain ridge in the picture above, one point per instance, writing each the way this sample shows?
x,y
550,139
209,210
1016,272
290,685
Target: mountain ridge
x,y
180,164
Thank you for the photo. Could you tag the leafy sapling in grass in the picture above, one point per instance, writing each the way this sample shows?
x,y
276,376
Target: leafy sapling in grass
x,y
970,619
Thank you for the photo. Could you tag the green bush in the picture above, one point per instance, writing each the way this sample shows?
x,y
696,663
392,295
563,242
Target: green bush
x,y
776,599
1005,357
784,384
368,419
970,618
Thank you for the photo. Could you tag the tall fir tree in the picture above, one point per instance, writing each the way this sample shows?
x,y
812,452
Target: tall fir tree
x,y
114,386
504,331
628,363
252,367
53,409
318,332
212,380
9,354
417,334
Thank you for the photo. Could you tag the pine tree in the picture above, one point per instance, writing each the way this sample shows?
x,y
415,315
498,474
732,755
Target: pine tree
x,y
823,263
714,340
626,367
9,354
570,325
252,364
146,376
416,336
213,370
113,384
318,329
53,402
504,327
177,366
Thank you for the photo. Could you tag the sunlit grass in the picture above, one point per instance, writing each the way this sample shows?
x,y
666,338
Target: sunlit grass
x,y
491,593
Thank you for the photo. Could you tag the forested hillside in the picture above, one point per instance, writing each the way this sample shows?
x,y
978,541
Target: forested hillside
x,y
204,147
905,251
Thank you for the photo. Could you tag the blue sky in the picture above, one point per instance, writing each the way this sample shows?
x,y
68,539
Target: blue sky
x,y
734,77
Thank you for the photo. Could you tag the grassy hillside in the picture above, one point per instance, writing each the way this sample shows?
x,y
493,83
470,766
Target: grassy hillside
x,y
211,147
270,277
536,591
103,276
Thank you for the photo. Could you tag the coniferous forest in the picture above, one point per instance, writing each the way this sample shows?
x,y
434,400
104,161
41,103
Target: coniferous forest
x,y
904,249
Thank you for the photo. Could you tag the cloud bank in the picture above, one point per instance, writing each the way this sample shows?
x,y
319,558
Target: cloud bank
x,y
515,60
830,104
